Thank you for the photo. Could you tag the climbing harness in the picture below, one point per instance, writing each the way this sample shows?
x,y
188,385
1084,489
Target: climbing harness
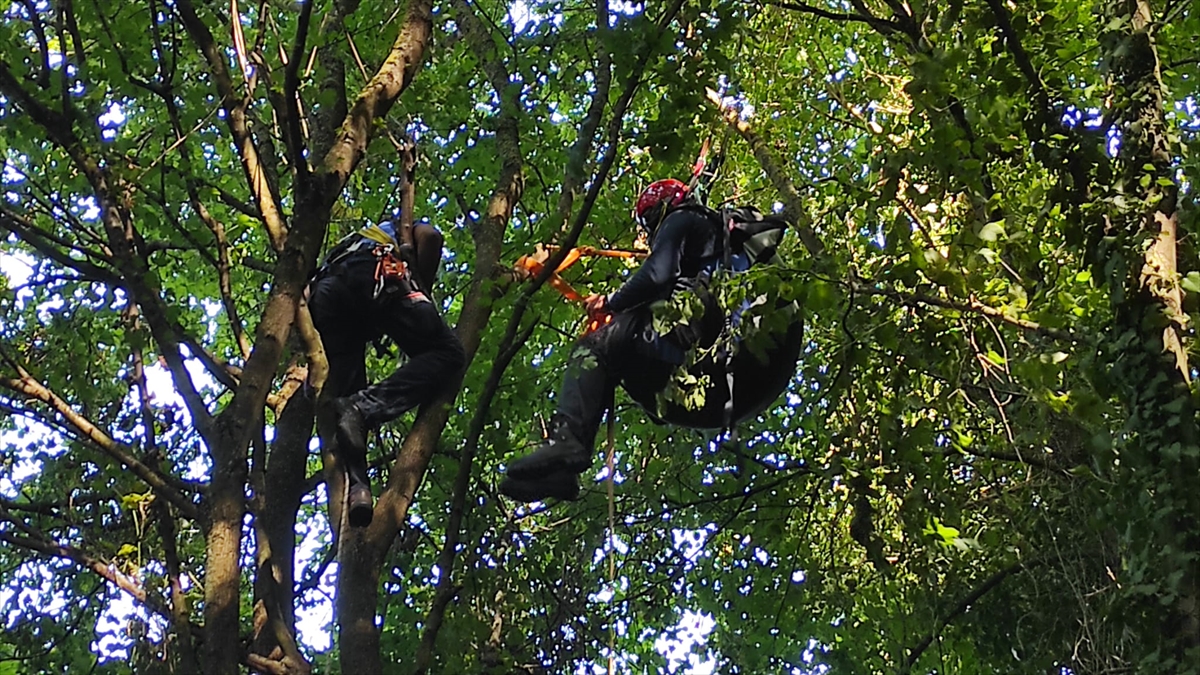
x,y
391,263
389,266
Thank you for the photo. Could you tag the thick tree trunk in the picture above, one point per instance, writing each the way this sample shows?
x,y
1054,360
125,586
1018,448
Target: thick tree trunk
x,y
281,482
357,600
1158,464
225,507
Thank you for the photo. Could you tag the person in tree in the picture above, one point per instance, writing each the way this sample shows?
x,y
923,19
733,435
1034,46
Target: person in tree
x,y
688,242
370,285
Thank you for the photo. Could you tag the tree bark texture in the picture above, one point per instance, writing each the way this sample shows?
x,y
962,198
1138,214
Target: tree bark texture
x,y
1159,461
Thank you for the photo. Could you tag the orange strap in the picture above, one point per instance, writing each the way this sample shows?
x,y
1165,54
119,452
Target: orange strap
x,y
389,266
534,265
596,321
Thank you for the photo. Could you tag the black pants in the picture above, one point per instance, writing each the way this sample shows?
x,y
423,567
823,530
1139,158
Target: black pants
x,y
348,318
627,352
428,244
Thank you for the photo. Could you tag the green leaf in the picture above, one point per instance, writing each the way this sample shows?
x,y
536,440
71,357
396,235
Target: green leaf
x,y
992,231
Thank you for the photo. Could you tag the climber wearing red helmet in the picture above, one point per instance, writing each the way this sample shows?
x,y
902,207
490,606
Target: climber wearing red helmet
x,y
695,237
656,199
687,242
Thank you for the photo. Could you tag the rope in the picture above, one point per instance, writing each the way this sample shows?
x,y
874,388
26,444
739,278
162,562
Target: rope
x,y
612,533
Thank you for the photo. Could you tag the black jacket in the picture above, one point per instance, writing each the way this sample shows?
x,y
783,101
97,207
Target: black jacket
x,y
688,241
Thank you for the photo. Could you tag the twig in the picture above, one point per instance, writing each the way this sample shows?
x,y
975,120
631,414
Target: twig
x,y
992,582
178,142
972,306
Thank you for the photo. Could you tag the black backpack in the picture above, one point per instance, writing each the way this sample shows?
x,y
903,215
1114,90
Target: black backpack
x,y
751,238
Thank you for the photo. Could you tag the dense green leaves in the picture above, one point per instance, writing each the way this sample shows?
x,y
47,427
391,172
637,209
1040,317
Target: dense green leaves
x,y
985,463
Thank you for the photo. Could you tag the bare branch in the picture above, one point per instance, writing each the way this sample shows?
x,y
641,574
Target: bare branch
x,y
1182,62
76,36
235,117
882,25
973,597
377,98
43,545
139,378
1020,56
265,665
585,141
39,32
291,95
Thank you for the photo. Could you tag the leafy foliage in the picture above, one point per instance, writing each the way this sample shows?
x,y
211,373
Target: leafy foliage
x,y
985,464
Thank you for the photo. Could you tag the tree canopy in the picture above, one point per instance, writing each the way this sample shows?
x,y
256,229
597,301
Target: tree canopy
x,y
986,462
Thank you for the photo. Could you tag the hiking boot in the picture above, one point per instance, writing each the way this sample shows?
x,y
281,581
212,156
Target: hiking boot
x,y
561,453
351,428
361,505
562,485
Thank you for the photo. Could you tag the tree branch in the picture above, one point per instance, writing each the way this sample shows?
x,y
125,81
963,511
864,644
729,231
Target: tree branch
x,y
235,117
447,589
43,545
793,206
1020,56
376,99
48,245
882,25
973,597
574,174
291,95
971,306
122,239
28,386
179,603
514,337
39,32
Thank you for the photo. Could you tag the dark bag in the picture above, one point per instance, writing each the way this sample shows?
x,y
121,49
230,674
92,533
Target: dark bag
x,y
751,238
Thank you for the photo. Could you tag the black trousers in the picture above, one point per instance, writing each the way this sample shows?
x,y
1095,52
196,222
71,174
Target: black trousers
x,y
348,318
627,352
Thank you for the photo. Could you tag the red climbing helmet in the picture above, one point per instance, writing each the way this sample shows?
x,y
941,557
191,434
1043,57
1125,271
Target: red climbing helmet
x,y
668,191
